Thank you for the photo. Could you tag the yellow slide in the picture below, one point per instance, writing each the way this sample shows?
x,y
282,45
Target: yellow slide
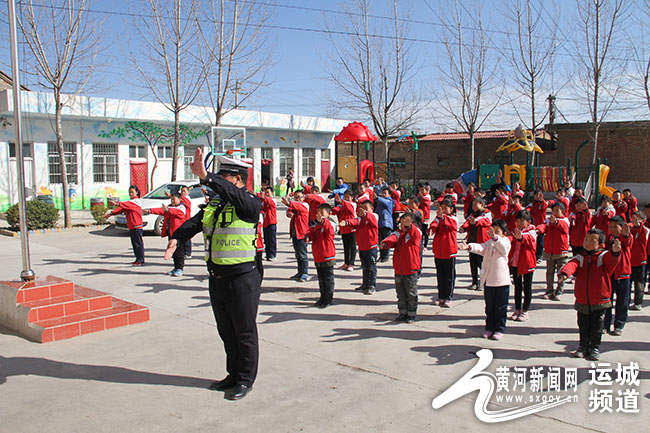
x,y
603,189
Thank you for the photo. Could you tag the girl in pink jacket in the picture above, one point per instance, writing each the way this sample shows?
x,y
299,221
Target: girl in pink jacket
x,y
495,277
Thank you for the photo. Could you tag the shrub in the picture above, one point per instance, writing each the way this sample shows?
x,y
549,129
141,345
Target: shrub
x,y
40,215
98,214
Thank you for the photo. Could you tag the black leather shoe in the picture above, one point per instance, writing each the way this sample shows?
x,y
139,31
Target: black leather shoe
x,y
238,392
318,303
400,318
222,385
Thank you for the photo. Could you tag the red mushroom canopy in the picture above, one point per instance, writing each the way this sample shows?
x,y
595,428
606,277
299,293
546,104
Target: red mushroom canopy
x,y
355,131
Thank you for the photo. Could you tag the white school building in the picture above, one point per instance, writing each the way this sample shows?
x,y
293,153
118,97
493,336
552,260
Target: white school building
x,y
100,167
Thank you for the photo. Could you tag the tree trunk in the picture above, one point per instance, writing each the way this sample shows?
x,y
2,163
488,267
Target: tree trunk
x,y
471,152
177,140
155,166
67,217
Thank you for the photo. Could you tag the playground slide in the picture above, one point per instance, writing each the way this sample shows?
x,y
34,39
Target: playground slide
x,y
603,189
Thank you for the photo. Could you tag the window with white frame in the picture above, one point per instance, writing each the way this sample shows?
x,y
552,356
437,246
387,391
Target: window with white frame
x,y
267,153
137,151
325,154
165,151
105,166
27,150
54,162
188,157
308,162
286,160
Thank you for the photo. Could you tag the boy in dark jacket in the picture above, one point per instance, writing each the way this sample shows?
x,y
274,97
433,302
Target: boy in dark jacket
x,y
593,269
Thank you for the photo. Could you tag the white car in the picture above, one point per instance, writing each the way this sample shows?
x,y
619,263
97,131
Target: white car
x,y
157,197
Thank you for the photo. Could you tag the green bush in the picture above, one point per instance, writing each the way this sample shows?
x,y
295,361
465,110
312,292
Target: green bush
x,y
98,214
40,215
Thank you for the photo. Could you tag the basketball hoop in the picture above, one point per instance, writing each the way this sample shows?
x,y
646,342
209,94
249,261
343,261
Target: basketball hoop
x,y
234,153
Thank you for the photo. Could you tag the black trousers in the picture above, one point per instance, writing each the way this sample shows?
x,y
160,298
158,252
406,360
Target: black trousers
x,y
234,301
523,285
475,263
188,247
446,276
179,255
383,233
300,250
349,247
496,308
638,283
270,240
369,267
590,326
259,264
620,303
326,283
138,244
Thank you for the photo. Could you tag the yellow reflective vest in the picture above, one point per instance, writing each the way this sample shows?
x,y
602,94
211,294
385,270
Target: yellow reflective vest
x,y
229,240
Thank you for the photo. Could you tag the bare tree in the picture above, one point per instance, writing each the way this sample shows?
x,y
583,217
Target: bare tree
x,y
467,72
64,43
168,59
532,48
371,67
644,60
600,74
233,54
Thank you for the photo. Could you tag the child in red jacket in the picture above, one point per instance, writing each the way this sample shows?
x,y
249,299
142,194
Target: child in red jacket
x,y
580,220
522,261
298,211
185,200
174,218
477,227
269,227
321,234
601,218
646,212
345,209
620,206
367,237
444,229
510,215
468,198
639,256
619,230
537,209
556,248
593,269
133,211
631,202
499,204
313,199
406,263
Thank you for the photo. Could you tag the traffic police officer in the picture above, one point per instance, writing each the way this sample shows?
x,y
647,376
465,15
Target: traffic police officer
x,y
228,223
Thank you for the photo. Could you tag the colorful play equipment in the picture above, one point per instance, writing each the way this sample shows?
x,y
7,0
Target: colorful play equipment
x,y
603,189
352,168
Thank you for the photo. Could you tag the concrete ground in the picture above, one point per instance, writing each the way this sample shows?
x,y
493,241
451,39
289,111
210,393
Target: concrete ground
x,y
345,368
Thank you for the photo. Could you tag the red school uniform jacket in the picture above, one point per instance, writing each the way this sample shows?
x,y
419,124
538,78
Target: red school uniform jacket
x,y
639,251
365,196
647,224
299,224
270,211
395,195
406,258
467,203
523,251
425,207
322,237
306,189
580,223
565,203
313,200
454,197
632,206
600,220
346,210
188,207
259,242
623,270
498,206
537,210
133,211
620,207
444,229
557,236
593,273
367,230
510,215
483,223
174,218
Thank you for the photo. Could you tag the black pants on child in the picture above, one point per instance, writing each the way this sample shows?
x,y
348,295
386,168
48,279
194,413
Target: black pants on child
x,y
188,247
591,326
638,282
259,264
406,287
620,302
496,308
138,244
270,241
446,276
523,285
349,247
179,255
325,273
300,249
475,263
383,233
369,267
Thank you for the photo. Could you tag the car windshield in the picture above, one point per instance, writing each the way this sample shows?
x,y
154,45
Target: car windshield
x,y
159,193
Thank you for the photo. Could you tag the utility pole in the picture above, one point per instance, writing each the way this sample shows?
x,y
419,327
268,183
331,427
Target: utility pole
x,y
236,88
27,274
551,109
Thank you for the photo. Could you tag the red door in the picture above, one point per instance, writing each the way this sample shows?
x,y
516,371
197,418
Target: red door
x,y
325,174
139,174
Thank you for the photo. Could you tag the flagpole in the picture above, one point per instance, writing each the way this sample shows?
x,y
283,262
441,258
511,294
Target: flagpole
x,y
27,273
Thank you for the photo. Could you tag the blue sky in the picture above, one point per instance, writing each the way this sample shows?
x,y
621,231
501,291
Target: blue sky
x,y
298,81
